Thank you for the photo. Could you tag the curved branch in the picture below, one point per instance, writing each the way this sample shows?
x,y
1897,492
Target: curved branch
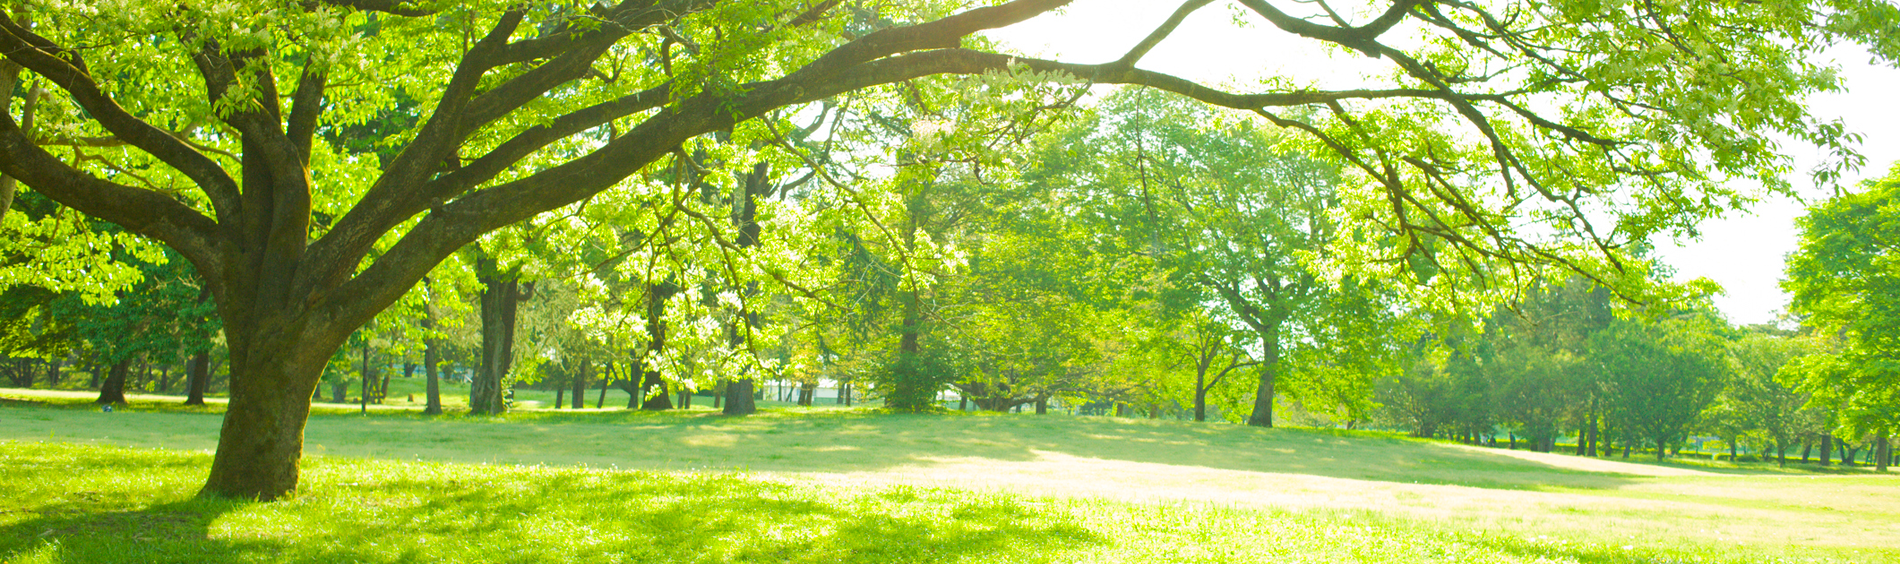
x,y
43,57
140,211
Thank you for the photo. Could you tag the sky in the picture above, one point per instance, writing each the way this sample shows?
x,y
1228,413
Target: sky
x,y
1743,251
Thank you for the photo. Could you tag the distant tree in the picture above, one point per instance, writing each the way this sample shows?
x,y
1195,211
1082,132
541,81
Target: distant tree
x,y
1659,376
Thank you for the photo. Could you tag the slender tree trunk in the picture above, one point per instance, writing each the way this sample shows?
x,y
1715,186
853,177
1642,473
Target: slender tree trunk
x,y
366,375
605,378
560,397
738,398
431,369
1200,394
1883,452
1269,373
652,385
197,378
52,372
113,390
1807,449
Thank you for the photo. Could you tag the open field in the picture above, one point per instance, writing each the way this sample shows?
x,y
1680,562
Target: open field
x,y
825,485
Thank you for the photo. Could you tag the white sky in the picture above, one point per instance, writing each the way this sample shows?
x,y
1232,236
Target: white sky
x,y
1743,251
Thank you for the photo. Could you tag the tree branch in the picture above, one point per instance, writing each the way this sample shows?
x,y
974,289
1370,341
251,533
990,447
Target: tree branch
x,y
43,57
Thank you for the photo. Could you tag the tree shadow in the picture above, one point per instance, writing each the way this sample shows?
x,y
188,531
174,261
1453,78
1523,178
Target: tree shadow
x,y
425,512
845,442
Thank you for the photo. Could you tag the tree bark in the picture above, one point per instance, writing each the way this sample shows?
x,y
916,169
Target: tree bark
x,y
53,374
366,374
501,297
605,377
113,390
652,384
262,438
581,378
1827,449
197,378
430,370
1883,452
1269,372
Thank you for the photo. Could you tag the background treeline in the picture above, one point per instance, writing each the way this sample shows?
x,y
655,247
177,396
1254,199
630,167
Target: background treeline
x,y
1018,245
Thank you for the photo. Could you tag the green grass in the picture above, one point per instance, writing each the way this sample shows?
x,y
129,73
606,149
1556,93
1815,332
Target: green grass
x,y
828,485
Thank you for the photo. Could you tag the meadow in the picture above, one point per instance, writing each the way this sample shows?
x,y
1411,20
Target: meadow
x,y
853,485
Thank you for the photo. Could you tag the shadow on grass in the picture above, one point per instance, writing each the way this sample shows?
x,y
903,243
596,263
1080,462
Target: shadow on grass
x,y
846,441
393,512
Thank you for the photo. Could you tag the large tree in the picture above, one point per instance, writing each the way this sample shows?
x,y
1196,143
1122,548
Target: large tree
x,y
1846,284
247,134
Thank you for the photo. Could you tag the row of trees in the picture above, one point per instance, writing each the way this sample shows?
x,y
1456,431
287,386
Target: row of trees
x,y
729,190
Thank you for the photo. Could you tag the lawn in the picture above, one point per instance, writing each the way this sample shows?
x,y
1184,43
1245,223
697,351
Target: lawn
x,y
830,485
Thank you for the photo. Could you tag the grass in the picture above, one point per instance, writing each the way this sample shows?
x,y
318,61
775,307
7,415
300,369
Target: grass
x,y
830,485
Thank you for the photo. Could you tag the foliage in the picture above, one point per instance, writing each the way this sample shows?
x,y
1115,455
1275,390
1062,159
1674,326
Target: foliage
x,y
1846,284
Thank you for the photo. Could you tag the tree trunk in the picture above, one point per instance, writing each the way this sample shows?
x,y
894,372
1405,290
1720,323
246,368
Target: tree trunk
x,y
262,438
113,390
581,379
1883,453
739,400
652,385
197,378
560,397
1042,405
501,297
430,370
1827,449
909,391
53,375
1807,449
366,375
1269,372
1200,397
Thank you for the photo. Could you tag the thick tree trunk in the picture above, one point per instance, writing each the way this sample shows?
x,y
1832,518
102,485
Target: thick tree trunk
x,y
113,390
1883,453
262,439
560,397
197,378
581,378
1827,449
739,398
1269,372
1042,405
501,297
